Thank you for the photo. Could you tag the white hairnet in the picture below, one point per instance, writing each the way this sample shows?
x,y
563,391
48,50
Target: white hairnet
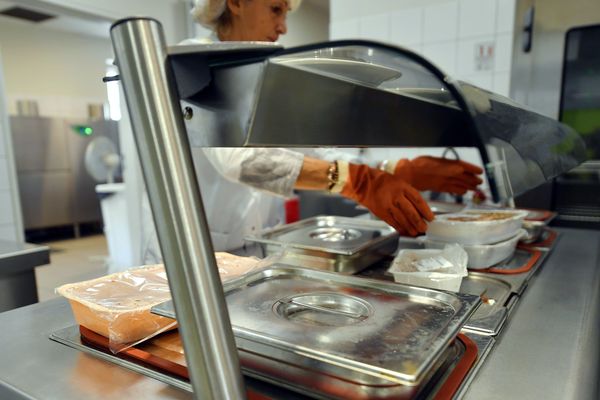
x,y
207,12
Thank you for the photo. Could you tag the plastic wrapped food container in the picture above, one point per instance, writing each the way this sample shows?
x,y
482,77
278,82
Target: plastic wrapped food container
x,y
476,226
482,256
435,269
117,306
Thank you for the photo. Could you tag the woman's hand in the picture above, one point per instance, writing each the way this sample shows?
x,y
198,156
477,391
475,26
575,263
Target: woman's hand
x,y
439,174
388,197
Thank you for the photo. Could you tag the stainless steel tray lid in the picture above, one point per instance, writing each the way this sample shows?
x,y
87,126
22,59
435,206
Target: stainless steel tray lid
x,y
331,234
369,332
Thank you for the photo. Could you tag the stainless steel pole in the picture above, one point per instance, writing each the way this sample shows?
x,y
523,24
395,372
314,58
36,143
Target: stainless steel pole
x,y
178,211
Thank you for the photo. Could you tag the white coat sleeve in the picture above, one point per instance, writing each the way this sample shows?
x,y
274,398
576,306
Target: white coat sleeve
x,y
272,170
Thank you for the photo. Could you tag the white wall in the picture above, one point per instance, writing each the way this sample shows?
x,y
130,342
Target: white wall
x,y
11,225
61,71
447,32
308,24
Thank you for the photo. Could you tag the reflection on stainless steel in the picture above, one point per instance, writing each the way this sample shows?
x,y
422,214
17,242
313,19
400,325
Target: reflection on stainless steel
x,y
492,313
335,234
339,244
534,230
71,337
365,331
177,208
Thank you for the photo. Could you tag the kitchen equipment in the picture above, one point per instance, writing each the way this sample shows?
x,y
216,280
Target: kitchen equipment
x,y
239,95
55,188
102,159
340,244
484,255
380,336
466,228
495,306
162,358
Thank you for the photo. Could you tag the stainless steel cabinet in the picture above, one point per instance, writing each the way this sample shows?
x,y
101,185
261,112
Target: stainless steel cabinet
x,y
54,185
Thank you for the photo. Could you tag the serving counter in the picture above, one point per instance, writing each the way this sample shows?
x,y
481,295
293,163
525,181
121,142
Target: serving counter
x,y
17,275
548,349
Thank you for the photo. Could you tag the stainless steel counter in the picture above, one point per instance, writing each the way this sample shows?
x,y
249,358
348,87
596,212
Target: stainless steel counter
x,y
34,367
17,276
549,348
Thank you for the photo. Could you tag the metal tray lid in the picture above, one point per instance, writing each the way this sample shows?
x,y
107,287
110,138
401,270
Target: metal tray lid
x,y
365,331
331,234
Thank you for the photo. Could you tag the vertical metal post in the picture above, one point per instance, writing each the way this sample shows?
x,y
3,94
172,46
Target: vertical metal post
x,y
178,211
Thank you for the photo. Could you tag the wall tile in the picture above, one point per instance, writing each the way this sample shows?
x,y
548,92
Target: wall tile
x,y
4,182
2,142
466,64
343,9
347,29
443,55
375,27
440,22
406,26
502,83
7,232
6,208
476,18
505,16
504,47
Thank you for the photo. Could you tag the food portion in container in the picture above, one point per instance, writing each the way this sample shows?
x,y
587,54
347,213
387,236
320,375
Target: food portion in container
x,y
469,216
117,306
482,256
476,227
436,269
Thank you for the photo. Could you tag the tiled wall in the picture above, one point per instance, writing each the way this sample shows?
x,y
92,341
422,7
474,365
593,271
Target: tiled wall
x,y
448,32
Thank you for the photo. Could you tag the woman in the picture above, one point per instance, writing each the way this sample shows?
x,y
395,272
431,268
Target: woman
x,y
235,211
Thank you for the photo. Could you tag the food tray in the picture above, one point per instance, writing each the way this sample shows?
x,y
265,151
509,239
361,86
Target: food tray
x,y
522,261
444,229
482,256
338,244
165,354
368,332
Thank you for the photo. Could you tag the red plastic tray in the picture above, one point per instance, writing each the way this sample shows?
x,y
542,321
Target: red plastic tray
x,y
178,368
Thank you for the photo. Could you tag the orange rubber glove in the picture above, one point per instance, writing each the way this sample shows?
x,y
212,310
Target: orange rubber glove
x,y
389,198
439,174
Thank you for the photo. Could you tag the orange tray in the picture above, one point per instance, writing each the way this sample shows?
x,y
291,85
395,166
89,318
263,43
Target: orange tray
x,y
179,369
531,261
547,242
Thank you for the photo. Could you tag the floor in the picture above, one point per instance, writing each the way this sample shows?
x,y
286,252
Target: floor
x,y
71,261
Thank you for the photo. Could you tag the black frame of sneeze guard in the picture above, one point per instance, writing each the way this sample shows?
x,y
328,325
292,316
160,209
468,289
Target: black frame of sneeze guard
x,y
203,64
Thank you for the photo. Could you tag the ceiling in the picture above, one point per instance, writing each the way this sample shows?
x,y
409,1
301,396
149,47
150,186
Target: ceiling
x,y
65,20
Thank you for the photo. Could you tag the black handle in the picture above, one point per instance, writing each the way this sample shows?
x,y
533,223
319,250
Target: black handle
x,y
528,19
113,78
